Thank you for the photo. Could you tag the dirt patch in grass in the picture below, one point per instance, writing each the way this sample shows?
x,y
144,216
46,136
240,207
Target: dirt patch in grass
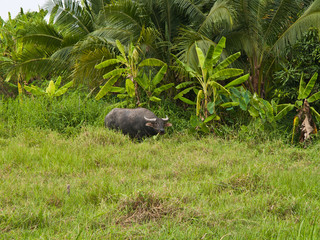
x,y
243,183
145,207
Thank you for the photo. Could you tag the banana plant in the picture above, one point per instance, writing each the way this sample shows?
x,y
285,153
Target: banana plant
x,y
53,89
125,66
304,119
205,80
150,85
263,109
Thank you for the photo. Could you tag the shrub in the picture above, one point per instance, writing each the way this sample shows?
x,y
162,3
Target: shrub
x,y
64,114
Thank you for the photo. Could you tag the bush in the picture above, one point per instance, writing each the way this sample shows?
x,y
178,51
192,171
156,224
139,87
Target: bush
x,y
65,114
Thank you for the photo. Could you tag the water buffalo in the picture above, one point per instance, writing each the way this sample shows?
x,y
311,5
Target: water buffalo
x,y
137,123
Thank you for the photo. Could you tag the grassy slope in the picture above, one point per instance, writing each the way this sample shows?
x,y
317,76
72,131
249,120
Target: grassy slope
x,y
100,185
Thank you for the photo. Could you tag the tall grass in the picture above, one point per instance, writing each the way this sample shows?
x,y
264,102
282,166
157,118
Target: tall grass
x,y
63,115
69,113
98,184
64,176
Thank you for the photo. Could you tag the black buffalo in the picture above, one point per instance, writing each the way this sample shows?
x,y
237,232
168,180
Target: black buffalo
x,y
137,123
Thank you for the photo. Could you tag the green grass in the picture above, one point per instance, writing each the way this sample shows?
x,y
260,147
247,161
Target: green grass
x,y
98,184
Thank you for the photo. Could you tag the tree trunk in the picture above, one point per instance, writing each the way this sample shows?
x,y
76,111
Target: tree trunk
x,y
256,79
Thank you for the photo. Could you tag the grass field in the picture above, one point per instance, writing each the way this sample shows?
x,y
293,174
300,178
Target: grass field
x,y
99,184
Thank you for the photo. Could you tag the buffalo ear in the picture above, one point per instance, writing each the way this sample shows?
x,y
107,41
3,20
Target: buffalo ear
x,y
168,125
149,124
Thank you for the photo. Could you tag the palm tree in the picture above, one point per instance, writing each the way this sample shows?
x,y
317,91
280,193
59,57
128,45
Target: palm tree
x,y
80,35
53,47
11,46
152,24
261,29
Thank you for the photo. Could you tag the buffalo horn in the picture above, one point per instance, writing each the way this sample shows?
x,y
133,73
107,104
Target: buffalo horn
x,y
150,119
165,119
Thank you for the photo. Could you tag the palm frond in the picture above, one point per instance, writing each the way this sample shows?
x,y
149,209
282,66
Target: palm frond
x,y
310,18
221,16
71,17
84,69
124,14
97,6
32,62
42,34
186,46
190,9
111,34
279,18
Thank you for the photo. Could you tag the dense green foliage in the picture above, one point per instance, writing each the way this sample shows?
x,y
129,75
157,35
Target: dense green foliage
x,y
303,57
228,73
80,35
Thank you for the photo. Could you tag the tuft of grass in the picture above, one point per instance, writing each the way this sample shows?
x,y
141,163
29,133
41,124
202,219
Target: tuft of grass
x,y
143,208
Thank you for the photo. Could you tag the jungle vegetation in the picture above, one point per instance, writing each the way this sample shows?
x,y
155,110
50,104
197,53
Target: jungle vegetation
x,y
239,82
217,56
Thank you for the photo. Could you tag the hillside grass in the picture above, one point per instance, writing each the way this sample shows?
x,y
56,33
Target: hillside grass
x,y
98,184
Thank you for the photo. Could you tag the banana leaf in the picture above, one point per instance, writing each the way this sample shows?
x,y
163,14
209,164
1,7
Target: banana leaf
x,y
34,90
184,84
212,117
63,89
107,63
115,72
314,97
218,50
309,86
58,82
117,90
155,99
229,104
226,73
225,63
158,90
253,112
159,76
301,87
201,57
51,89
284,111
107,87
121,49
237,81
152,62
180,94
130,88
143,81
209,57
186,100
199,98
317,115
185,67
219,86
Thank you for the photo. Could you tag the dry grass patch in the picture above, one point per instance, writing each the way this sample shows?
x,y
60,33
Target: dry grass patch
x,y
145,207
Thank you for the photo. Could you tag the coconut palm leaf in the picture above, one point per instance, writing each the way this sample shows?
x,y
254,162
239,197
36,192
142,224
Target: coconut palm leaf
x,y
220,16
71,16
311,17
42,34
